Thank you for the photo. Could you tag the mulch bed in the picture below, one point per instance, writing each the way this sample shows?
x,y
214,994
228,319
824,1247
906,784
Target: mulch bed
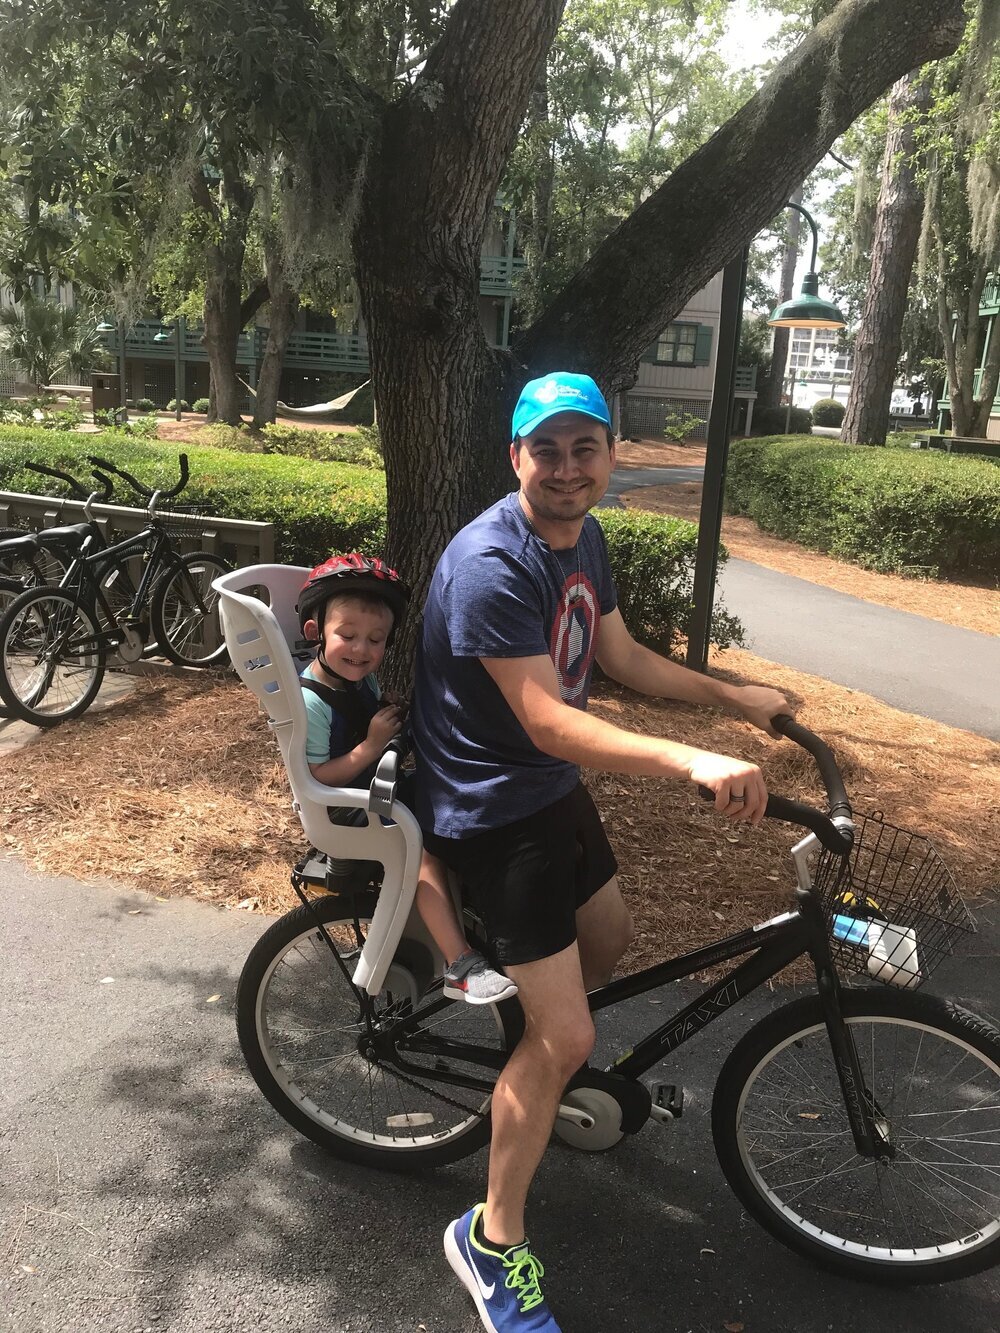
x,y
179,789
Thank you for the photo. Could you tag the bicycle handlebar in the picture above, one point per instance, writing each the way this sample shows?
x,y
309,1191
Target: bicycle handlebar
x,y
71,482
834,838
136,485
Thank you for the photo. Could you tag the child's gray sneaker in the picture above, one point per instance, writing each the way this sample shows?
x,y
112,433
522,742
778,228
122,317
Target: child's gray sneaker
x,y
470,978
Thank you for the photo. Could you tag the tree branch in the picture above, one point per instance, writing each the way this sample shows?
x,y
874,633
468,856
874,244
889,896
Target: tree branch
x,y
719,199
253,302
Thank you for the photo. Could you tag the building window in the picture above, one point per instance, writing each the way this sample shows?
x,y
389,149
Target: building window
x,y
677,344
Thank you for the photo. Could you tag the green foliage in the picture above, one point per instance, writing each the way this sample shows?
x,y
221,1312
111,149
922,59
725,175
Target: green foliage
x,y
679,425
145,405
653,560
172,405
893,510
316,508
44,339
279,438
771,421
200,405
40,412
827,412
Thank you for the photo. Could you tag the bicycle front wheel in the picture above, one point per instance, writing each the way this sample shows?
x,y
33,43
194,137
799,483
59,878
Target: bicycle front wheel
x,y
930,1212
51,657
185,611
335,1079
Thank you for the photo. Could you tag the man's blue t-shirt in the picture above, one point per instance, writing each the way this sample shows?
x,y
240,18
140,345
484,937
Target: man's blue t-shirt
x,y
499,590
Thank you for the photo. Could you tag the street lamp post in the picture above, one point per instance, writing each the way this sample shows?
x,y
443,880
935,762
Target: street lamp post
x,y
175,331
806,311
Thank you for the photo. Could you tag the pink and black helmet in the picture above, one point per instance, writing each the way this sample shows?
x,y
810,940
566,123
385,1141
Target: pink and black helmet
x,y
366,575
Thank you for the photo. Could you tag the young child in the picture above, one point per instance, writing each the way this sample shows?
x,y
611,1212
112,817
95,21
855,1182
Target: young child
x,y
350,606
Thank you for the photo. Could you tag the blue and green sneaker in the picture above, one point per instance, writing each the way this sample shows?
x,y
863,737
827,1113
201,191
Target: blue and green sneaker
x,y
504,1284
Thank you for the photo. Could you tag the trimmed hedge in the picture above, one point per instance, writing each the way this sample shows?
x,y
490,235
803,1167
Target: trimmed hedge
x,y
322,507
828,412
771,421
653,560
315,507
892,510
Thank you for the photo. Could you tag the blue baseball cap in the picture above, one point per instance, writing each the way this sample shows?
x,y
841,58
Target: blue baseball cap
x,y
557,392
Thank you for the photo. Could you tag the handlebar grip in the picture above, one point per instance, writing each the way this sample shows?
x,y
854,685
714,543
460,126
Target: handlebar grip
x,y
824,757
176,490
72,482
107,466
806,816
108,485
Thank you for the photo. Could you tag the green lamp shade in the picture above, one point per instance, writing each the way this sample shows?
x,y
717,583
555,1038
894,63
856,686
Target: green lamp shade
x,y
163,336
807,310
105,327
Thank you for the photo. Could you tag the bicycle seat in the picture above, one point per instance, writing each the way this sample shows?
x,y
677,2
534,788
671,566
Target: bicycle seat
x,y
73,534
257,607
26,545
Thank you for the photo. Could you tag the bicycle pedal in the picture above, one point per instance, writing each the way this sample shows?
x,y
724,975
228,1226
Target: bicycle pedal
x,y
667,1102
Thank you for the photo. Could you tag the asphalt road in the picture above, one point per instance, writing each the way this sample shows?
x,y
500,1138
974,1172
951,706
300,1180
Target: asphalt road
x,y
145,1185
919,665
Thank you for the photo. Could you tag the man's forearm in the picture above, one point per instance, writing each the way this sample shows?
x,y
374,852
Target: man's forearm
x,y
649,673
580,738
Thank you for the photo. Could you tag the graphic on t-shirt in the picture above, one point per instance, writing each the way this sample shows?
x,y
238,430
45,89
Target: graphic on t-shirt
x,y
574,635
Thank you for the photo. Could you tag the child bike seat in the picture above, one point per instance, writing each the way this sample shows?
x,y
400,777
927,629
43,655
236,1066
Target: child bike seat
x,y
257,607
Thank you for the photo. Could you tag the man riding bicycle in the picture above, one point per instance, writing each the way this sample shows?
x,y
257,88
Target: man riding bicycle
x,y
521,605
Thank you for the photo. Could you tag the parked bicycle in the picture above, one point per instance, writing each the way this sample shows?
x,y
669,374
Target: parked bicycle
x,y
861,1127
113,604
31,559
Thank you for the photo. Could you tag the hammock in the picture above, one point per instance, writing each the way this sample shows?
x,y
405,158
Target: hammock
x,y
316,409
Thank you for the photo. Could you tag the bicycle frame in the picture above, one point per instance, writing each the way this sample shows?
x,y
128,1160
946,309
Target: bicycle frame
x,y
82,578
773,944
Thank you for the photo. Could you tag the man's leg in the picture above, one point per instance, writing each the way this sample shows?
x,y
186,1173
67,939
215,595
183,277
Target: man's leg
x,y
604,930
558,1038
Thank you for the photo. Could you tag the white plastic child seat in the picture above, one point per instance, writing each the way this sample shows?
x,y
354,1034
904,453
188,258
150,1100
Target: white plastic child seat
x,y
261,637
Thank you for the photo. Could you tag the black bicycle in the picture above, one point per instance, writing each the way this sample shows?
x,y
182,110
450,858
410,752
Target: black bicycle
x,y
860,1126
114,604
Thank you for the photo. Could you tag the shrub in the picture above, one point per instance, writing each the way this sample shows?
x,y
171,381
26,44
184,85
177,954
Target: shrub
x,y
145,405
679,425
653,560
771,421
316,508
172,405
893,510
281,438
828,412
200,405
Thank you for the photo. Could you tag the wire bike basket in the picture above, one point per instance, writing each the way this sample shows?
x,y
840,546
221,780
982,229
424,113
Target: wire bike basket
x,y
892,906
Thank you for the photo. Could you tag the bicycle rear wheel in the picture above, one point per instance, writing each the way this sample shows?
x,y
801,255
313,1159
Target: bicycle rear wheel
x,y
39,568
928,1213
309,1049
51,657
185,611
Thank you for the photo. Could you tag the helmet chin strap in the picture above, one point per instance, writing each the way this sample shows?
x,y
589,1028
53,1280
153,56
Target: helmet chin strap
x,y
321,659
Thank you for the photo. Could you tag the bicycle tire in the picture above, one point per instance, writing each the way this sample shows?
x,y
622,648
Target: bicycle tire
x,y
299,1025
52,657
184,613
42,569
118,581
785,1146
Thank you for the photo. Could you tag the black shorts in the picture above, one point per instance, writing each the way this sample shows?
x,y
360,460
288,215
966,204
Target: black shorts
x,y
526,880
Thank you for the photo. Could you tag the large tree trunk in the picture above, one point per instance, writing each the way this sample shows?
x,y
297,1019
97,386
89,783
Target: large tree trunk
x,y
222,332
773,387
443,396
283,309
441,393
988,385
894,247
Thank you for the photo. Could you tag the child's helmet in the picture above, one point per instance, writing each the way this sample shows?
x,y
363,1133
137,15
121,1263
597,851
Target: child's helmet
x,y
367,576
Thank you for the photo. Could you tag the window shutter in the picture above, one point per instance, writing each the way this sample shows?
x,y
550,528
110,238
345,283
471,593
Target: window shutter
x,y
703,345
650,353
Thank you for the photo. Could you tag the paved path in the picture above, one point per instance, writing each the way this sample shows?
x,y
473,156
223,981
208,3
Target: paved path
x,y
919,665
145,1185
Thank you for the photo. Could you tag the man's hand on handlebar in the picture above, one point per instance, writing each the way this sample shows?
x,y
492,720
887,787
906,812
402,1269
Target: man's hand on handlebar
x,y
758,704
739,787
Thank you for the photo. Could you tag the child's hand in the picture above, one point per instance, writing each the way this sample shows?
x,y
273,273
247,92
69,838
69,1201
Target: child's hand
x,y
398,700
385,724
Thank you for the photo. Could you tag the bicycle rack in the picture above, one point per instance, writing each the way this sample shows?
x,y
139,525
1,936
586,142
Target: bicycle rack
x,y
257,608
